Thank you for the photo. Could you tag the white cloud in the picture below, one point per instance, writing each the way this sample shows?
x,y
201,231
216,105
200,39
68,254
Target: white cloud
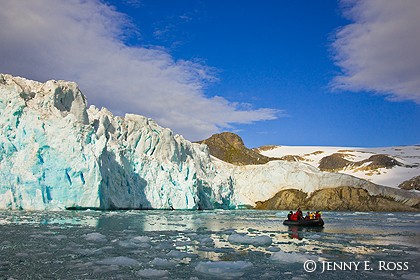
x,y
83,41
380,50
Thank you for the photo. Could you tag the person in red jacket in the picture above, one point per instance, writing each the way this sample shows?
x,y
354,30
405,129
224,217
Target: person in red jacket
x,y
299,214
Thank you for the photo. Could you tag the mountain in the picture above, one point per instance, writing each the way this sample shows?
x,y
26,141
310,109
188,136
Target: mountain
x,y
278,175
229,147
335,199
394,167
56,153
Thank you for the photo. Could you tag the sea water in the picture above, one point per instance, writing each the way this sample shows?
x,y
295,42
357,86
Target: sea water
x,y
243,244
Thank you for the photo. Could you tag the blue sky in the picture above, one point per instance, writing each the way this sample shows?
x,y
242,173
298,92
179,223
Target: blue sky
x,y
275,72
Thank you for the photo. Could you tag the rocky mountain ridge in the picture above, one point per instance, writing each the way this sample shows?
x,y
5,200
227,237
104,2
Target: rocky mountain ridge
x,y
230,148
333,199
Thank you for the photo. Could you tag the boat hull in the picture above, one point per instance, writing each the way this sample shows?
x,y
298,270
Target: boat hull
x,y
305,223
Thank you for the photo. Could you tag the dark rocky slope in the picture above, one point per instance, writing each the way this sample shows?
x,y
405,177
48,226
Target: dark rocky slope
x,y
412,184
335,199
337,162
229,147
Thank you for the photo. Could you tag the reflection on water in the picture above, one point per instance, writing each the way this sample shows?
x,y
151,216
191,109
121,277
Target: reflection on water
x,y
77,244
299,231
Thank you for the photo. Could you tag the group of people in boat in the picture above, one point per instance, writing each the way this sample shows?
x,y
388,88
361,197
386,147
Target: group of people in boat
x,y
298,215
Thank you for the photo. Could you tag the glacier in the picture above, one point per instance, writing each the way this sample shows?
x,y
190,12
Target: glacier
x,y
56,153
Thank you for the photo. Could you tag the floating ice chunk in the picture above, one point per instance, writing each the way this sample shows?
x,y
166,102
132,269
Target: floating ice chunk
x,y
22,255
143,239
262,240
291,257
89,252
223,269
152,273
95,236
164,245
410,276
133,244
205,240
162,262
120,261
60,237
314,236
127,244
273,249
180,255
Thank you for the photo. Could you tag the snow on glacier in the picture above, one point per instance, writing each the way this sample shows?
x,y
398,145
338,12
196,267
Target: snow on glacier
x,y
409,156
55,153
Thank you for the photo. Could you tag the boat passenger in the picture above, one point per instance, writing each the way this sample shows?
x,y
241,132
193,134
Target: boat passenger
x,y
318,215
289,216
299,214
308,216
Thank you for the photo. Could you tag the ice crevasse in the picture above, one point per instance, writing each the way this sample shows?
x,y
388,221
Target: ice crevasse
x,y
55,153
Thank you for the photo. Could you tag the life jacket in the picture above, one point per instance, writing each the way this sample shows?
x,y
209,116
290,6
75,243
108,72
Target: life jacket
x,y
294,217
317,216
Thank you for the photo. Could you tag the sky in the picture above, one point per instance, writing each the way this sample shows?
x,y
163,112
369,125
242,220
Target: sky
x,y
325,73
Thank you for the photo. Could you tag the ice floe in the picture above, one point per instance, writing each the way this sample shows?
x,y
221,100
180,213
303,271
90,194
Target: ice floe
x,y
262,240
291,257
224,269
152,273
96,237
120,261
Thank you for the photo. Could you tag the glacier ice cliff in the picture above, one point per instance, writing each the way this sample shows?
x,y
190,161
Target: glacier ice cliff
x,y
55,153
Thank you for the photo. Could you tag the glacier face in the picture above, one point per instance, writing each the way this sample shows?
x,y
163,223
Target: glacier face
x,y
55,153
254,183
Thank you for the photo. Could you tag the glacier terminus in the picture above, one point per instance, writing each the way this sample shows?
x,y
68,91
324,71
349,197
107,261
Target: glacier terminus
x,y
57,153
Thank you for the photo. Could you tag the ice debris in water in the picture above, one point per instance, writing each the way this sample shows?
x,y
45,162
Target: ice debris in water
x,y
224,269
162,262
142,239
89,252
262,240
120,261
291,257
152,273
95,236
180,255
136,242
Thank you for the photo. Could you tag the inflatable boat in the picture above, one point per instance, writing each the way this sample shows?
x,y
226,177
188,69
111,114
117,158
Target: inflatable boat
x,y
305,223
